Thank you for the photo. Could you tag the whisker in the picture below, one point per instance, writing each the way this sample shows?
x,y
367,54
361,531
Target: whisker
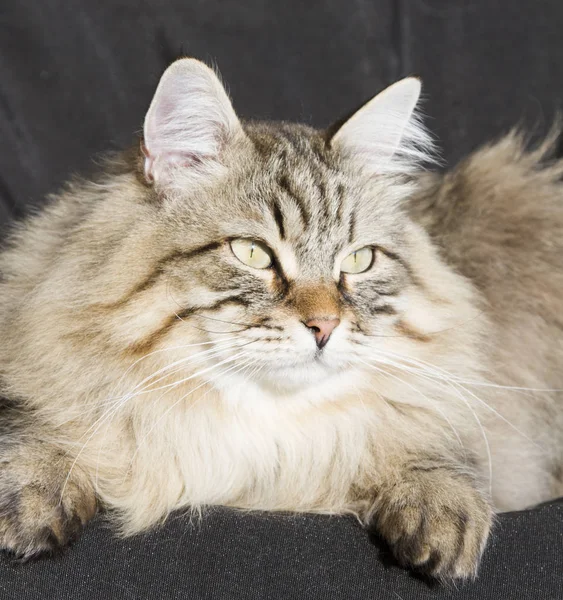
x,y
483,433
168,349
246,325
110,413
199,315
477,383
207,354
206,382
477,316
180,364
445,375
218,347
217,332
433,404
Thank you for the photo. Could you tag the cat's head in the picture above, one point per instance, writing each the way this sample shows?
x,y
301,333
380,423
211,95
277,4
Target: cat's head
x,y
288,250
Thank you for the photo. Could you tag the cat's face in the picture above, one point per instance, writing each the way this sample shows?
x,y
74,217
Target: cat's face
x,y
298,258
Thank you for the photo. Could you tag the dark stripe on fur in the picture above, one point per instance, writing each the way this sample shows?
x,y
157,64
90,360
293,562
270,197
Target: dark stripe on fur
x,y
393,256
340,193
352,228
408,331
160,268
278,218
147,344
386,309
286,186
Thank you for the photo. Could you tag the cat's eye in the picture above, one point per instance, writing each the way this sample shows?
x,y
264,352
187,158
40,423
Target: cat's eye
x,y
358,262
252,253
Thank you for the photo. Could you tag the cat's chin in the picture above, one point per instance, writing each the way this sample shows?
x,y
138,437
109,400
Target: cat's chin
x,y
290,379
306,372
289,385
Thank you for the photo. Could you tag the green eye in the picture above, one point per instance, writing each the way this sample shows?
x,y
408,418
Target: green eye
x,y
358,262
252,253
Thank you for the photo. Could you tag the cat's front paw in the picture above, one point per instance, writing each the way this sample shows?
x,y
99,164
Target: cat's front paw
x,y
36,520
435,521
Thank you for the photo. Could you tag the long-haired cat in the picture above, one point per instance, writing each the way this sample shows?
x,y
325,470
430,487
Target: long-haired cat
x,y
271,317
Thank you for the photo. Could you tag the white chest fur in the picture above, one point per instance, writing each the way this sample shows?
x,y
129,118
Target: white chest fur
x,y
246,448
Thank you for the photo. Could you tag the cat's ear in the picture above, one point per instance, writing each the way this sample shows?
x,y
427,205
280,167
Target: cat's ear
x,y
189,123
386,134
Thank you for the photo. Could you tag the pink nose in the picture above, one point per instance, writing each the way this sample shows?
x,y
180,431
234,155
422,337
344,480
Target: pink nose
x,y
322,328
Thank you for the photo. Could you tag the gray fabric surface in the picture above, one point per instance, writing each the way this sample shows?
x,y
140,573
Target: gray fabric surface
x,y
235,556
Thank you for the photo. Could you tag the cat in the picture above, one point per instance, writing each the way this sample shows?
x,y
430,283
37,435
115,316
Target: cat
x,y
271,317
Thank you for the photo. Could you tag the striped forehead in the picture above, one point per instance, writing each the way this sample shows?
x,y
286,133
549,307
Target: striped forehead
x,y
306,197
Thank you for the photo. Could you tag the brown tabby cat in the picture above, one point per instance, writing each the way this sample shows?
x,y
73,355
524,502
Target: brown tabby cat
x,y
266,316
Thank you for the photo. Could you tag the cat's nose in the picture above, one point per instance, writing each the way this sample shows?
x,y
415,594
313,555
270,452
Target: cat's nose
x,y
322,329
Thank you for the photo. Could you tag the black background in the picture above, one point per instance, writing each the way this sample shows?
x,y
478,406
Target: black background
x,y
76,77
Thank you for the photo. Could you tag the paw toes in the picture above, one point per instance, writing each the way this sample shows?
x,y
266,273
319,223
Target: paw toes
x,y
442,538
28,535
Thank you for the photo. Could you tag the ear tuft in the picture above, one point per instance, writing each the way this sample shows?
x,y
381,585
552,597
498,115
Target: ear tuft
x,y
386,134
189,122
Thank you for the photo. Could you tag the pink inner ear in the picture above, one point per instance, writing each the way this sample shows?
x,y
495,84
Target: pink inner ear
x,y
188,123
169,129
173,159
147,165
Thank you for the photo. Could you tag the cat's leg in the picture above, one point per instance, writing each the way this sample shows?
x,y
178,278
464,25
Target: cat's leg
x,y
433,515
44,500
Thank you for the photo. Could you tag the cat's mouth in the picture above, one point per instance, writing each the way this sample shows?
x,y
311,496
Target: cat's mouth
x,y
295,377
310,367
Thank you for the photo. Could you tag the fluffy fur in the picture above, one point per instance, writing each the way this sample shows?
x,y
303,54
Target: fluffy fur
x,y
146,369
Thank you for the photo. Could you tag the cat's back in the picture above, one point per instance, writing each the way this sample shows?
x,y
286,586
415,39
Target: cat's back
x,y
500,211
497,218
